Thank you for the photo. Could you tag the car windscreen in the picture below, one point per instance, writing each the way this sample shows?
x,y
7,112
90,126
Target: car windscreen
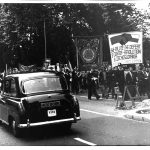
x,y
44,84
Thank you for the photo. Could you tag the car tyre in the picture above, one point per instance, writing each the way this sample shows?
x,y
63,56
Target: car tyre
x,y
15,130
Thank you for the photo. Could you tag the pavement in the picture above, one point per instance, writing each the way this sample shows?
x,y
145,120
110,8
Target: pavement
x,y
141,111
142,114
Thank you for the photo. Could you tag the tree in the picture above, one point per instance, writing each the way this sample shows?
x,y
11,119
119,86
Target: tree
x,y
22,31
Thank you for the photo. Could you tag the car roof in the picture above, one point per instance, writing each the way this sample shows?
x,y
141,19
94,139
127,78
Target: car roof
x,y
25,76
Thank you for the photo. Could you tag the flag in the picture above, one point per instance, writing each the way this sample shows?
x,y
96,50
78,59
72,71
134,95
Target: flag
x,y
89,52
23,68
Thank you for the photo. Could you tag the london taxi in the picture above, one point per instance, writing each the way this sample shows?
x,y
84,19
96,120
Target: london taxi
x,y
37,99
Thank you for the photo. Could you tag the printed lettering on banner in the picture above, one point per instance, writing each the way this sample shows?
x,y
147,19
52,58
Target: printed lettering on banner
x,y
126,48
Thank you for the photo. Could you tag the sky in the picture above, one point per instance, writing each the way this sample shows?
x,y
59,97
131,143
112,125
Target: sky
x,y
142,5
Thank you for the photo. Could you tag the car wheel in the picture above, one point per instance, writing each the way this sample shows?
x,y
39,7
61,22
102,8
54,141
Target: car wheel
x,y
0,122
15,130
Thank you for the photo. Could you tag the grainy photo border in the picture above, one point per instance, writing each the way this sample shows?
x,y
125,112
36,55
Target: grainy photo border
x,y
75,147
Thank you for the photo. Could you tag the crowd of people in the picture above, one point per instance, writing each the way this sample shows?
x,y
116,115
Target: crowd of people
x,y
105,79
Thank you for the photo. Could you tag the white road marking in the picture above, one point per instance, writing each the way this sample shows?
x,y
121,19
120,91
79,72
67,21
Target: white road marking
x,y
87,97
98,113
85,142
107,99
116,116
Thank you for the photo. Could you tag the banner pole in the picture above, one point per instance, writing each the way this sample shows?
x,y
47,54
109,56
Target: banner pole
x,y
100,51
45,40
77,53
6,69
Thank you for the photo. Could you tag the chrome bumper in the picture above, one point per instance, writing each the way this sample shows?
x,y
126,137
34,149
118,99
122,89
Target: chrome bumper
x,y
28,124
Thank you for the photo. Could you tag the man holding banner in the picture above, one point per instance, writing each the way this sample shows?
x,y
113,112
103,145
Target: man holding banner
x,y
131,82
130,77
126,48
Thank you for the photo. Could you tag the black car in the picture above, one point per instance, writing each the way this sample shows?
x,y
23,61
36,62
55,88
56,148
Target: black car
x,y
37,99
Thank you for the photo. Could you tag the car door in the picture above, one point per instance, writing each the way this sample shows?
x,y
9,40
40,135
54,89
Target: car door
x,y
7,96
4,95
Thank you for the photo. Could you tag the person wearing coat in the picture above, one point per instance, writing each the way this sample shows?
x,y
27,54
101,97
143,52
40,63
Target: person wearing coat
x,y
111,81
131,83
120,78
91,85
103,75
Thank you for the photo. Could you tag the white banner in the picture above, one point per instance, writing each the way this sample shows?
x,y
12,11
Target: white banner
x,y
25,68
126,48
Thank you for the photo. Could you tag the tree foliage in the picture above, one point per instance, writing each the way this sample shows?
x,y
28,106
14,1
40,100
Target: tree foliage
x,y
22,29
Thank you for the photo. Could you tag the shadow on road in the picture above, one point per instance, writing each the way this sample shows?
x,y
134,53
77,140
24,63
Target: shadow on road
x,y
47,132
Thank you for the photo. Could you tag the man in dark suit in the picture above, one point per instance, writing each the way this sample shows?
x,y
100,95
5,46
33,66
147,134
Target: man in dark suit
x,y
141,83
130,77
144,78
91,84
75,82
120,78
103,82
111,80
131,82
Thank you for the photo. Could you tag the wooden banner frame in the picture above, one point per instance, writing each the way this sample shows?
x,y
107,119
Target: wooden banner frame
x,y
131,98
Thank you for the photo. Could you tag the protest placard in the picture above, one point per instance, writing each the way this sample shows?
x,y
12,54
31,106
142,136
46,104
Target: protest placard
x,y
126,48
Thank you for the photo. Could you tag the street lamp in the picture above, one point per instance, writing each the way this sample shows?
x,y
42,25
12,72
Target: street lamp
x,y
45,40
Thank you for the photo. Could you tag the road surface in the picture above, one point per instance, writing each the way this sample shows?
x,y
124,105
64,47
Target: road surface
x,y
100,125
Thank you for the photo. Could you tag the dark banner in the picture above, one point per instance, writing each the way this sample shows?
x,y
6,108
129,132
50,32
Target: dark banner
x,y
89,52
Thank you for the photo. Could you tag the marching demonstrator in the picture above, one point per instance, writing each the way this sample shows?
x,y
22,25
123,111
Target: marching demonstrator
x,y
91,84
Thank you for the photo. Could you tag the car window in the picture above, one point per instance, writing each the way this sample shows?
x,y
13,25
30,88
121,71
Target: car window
x,y
44,84
10,87
13,90
7,86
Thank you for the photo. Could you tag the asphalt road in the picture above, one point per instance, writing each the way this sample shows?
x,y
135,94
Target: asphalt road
x,y
100,125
